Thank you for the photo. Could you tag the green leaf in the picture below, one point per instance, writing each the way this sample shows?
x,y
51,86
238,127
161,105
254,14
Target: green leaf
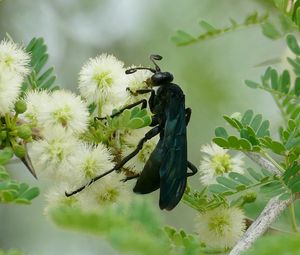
x,y
135,123
257,176
292,143
290,172
233,122
182,38
208,27
245,144
233,141
274,79
221,142
297,86
263,129
285,82
5,155
295,187
256,122
227,182
270,30
293,44
30,194
248,115
277,147
240,178
252,84
216,188
221,132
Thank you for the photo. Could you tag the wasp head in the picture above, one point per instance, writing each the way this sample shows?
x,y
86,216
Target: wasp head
x,y
158,78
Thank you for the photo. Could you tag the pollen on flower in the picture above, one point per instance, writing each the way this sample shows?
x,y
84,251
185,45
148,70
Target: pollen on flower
x,y
102,81
217,161
89,162
221,227
53,155
13,58
56,197
109,191
66,110
35,101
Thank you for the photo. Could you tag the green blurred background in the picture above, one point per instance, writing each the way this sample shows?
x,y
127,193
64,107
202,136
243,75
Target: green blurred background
x,y
211,74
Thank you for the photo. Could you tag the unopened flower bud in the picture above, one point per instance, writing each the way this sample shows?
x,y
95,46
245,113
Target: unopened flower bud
x,y
24,132
19,150
20,106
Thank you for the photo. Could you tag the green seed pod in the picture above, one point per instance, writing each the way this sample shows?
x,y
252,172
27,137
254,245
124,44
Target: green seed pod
x,y
19,150
20,106
24,131
3,135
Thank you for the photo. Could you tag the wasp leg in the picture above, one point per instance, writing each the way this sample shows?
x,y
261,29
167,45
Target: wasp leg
x,y
128,178
193,168
150,134
143,102
152,96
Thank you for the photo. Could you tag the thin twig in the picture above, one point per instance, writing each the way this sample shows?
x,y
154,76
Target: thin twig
x,y
269,214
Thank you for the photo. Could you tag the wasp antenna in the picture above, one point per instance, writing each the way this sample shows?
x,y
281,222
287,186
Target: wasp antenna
x,y
130,71
154,57
133,70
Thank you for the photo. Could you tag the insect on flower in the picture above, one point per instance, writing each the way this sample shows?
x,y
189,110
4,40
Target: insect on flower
x,y
166,168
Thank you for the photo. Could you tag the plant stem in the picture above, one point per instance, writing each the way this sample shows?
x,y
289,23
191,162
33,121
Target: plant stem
x,y
292,217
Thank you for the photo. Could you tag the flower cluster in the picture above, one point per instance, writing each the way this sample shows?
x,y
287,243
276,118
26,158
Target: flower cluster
x,y
65,155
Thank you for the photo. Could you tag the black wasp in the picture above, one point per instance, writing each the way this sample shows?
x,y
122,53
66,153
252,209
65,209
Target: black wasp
x,y
166,168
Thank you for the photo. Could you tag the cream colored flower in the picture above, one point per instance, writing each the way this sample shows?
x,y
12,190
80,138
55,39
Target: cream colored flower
x,y
102,81
221,227
217,162
14,59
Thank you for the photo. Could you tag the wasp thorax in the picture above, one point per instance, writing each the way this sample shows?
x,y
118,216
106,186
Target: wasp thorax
x,y
160,78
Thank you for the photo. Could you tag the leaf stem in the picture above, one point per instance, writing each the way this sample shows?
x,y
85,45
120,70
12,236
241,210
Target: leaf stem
x,y
293,217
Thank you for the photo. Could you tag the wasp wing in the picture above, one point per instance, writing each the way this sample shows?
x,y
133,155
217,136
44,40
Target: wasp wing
x,y
173,170
149,179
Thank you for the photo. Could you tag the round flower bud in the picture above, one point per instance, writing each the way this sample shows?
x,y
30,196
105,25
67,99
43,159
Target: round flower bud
x,y
24,131
19,150
20,106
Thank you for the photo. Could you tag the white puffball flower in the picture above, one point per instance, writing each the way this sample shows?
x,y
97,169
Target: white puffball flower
x,y
131,139
221,227
89,162
53,155
102,80
13,58
10,85
217,162
37,102
56,197
109,190
65,109
137,81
